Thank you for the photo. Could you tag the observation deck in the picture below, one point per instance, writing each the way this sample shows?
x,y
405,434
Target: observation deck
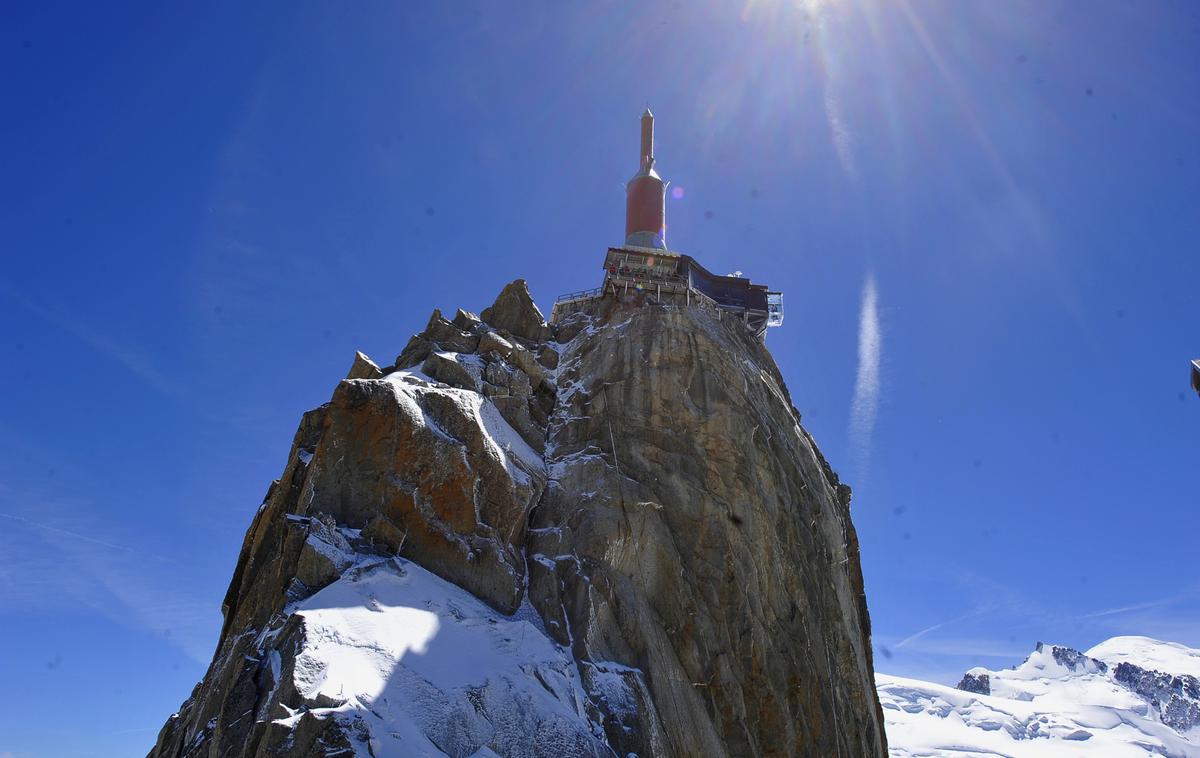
x,y
672,278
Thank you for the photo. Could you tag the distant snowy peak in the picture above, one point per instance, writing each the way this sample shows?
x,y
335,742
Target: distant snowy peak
x,y
1046,661
1129,696
1149,653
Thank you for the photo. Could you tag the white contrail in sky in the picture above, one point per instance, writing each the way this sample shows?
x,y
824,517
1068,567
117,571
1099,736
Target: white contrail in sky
x,y
92,335
914,637
68,533
1190,592
93,568
866,384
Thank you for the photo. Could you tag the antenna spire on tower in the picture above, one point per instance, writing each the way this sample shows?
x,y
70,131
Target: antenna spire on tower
x,y
647,157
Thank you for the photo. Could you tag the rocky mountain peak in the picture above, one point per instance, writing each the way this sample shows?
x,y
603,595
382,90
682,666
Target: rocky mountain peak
x,y
605,536
515,312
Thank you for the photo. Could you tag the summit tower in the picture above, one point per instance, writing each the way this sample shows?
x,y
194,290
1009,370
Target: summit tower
x,y
644,270
646,196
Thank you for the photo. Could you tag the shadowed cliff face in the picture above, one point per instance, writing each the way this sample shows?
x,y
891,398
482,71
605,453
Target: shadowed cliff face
x,y
700,537
630,487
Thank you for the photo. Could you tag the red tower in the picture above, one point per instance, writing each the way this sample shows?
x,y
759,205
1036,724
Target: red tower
x,y
646,197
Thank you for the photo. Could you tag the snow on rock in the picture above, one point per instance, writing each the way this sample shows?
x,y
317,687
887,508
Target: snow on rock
x,y
1058,702
416,666
325,554
504,443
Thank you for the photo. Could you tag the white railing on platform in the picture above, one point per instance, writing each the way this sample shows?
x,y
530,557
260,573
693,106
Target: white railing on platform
x,y
571,297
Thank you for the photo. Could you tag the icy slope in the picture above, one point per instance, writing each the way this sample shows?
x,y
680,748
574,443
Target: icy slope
x,y
1149,654
413,665
1129,696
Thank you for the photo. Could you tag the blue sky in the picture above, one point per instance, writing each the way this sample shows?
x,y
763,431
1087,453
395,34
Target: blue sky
x,y
985,218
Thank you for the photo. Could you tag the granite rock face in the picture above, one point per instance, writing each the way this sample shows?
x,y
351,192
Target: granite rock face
x,y
980,684
631,488
1176,697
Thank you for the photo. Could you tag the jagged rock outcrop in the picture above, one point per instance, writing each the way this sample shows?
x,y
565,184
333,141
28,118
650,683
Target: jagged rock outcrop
x,y
364,368
514,311
980,683
665,561
1176,698
1071,659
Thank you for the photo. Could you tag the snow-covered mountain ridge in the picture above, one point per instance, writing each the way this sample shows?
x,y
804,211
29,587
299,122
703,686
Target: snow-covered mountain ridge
x,y
1128,696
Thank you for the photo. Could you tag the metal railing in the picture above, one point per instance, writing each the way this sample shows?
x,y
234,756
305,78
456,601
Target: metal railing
x,y
580,295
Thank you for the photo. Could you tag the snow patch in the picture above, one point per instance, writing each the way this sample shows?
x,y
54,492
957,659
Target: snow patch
x,y
519,459
418,666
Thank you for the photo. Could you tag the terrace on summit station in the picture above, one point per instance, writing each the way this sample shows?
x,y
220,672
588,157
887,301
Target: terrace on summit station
x,y
644,267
